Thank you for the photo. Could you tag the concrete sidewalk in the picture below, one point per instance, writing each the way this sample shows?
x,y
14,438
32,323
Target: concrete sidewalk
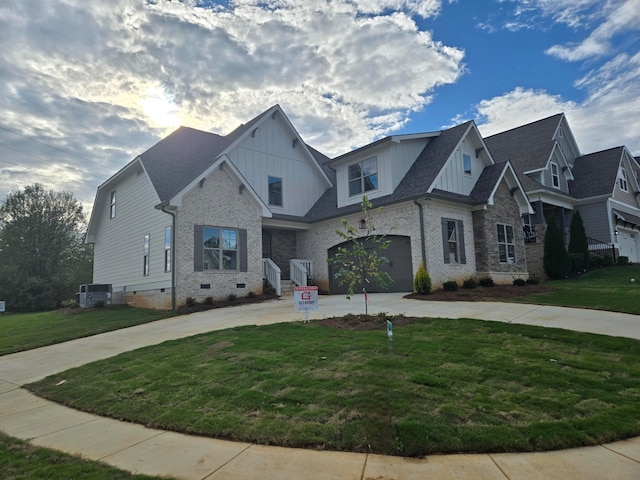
x,y
142,450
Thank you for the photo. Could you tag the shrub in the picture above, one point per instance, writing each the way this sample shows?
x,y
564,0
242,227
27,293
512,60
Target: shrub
x,y
251,295
422,281
595,261
519,282
607,260
578,244
190,302
470,283
232,297
622,260
450,286
100,304
69,304
486,282
577,262
556,260
532,281
208,301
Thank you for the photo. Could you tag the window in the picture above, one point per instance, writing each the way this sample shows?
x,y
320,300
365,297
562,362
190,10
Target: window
x,y
453,241
145,271
363,176
275,191
555,176
220,248
112,205
506,244
466,160
167,249
622,180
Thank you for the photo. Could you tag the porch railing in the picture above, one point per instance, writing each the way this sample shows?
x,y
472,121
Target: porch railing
x,y
271,273
529,233
597,247
300,270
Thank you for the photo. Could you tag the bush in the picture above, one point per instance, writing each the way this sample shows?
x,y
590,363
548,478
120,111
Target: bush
x,y
577,262
532,281
232,297
578,244
607,260
622,260
208,301
251,295
422,281
470,283
556,260
519,282
99,304
486,282
190,302
450,286
69,304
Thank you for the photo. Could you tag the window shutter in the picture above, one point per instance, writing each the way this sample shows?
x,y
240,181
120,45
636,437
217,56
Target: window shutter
x,y
445,240
198,248
460,227
243,249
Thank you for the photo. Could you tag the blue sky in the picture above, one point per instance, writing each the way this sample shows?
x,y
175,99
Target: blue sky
x,y
89,85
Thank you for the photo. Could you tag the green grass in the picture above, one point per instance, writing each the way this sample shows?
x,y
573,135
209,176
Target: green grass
x,y
20,460
20,332
604,289
450,386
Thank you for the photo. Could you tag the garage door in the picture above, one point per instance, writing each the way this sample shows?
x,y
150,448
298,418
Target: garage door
x,y
399,267
627,243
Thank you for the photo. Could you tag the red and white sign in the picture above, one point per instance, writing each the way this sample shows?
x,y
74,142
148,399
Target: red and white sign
x,y
305,298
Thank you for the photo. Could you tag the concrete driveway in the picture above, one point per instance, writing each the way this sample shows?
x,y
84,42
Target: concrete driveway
x,y
155,452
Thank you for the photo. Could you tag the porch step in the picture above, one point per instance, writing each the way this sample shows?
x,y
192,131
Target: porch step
x,y
286,288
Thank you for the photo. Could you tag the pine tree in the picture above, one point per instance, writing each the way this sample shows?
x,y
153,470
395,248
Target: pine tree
x,y
578,246
556,260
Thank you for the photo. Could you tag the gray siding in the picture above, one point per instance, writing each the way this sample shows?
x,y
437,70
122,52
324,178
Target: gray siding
x,y
595,218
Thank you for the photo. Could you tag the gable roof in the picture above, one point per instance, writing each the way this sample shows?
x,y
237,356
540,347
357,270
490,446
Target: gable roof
x,y
528,147
596,173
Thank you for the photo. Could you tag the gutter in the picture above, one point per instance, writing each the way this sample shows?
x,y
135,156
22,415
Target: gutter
x,y
422,239
173,251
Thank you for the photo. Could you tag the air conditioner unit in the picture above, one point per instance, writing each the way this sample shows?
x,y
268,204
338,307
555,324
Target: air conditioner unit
x,y
91,294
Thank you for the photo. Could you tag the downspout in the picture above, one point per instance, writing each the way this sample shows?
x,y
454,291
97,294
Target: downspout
x,y
422,239
173,256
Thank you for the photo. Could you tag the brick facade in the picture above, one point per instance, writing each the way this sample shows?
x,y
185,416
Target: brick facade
x,y
283,248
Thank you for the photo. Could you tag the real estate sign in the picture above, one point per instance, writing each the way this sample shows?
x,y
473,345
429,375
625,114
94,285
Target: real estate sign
x,y
305,298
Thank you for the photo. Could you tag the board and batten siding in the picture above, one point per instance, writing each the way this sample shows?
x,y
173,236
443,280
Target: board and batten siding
x,y
119,247
595,217
270,151
453,179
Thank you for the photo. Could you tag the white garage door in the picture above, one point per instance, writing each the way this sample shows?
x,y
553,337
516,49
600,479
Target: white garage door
x,y
628,245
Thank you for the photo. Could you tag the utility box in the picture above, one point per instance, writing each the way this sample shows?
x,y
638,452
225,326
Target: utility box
x,y
91,294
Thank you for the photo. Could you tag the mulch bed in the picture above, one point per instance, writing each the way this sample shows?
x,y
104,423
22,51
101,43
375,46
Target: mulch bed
x,y
482,294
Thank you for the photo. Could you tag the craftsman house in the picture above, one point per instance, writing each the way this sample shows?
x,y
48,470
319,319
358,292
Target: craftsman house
x,y
558,180
203,215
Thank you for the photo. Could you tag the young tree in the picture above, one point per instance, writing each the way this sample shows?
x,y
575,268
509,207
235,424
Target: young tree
x,y
556,261
358,260
42,255
578,245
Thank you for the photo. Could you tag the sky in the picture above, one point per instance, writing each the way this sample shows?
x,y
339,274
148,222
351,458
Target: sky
x,y
87,86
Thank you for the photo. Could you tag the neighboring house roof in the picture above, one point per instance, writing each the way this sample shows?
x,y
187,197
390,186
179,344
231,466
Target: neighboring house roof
x,y
528,147
596,173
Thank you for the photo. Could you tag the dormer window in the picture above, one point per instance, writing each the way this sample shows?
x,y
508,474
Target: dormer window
x,y
555,175
622,180
363,176
466,161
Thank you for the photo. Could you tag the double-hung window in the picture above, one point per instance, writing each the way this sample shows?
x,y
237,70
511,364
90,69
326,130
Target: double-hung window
x,y
363,176
275,191
220,248
622,180
167,249
466,160
506,244
145,269
555,175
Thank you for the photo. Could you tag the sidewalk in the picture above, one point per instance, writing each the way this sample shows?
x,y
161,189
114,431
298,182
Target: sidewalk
x,y
155,452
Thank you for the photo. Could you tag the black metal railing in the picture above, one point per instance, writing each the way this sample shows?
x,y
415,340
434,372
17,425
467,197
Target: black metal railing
x,y
603,249
529,233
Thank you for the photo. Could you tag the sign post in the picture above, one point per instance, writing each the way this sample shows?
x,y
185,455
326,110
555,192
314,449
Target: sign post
x,y
305,298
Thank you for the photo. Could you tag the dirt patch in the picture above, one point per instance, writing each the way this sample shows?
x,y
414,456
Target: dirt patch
x,y
228,302
482,294
362,322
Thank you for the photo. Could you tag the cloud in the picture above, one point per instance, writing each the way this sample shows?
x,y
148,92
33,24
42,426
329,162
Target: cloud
x,y
97,83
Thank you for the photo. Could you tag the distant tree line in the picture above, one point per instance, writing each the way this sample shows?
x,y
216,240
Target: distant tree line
x,y
43,257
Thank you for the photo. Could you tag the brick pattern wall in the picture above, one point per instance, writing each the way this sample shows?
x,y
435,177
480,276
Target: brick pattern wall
x,y
283,249
535,254
505,211
217,203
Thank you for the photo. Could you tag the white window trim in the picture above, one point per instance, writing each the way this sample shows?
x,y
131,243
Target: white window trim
x,y
220,249
281,204
167,249
622,180
506,243
464,169
362,177
555,178
146,250
112,205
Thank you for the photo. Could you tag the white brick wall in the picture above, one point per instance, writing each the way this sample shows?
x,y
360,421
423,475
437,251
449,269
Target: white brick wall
x,y
401,219
217,203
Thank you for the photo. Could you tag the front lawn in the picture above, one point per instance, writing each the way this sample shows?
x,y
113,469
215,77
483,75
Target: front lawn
x,y
25,331
448,386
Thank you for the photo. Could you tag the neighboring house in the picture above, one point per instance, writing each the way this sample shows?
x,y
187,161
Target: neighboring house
x,y
559,180
201,215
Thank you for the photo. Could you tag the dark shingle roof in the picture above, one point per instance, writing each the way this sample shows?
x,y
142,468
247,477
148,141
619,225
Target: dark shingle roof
x,y
595,174
527,147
